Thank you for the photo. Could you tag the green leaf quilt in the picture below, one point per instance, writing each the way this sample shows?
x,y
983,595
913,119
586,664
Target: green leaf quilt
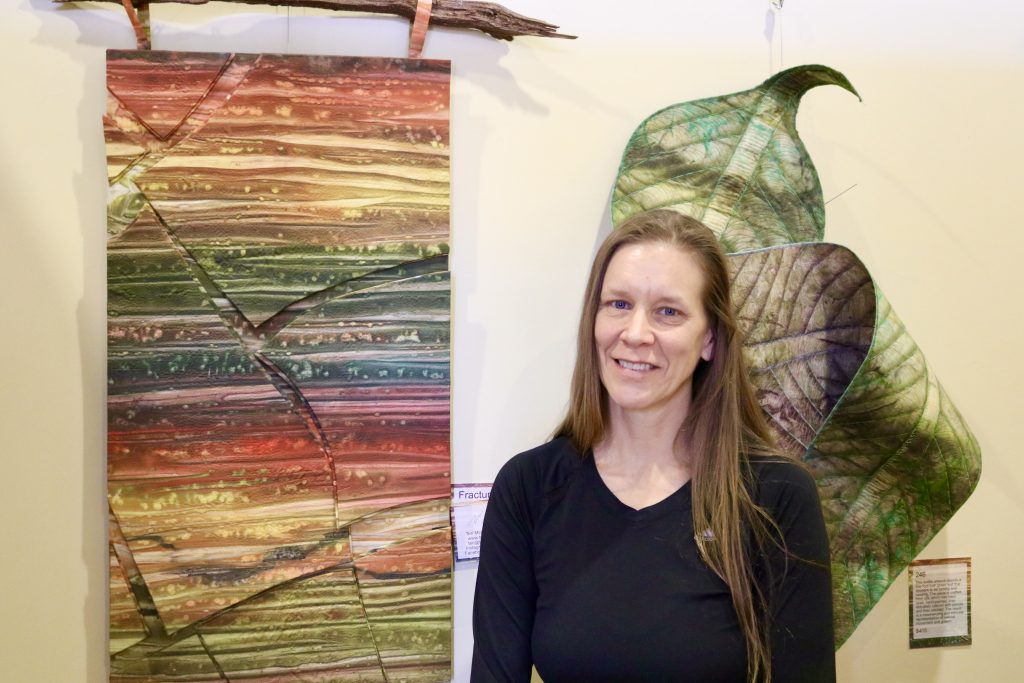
x,y
845,387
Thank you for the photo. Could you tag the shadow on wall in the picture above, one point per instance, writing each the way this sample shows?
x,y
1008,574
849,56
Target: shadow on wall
x,y
56,31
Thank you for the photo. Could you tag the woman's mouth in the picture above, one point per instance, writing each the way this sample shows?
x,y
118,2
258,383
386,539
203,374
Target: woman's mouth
x,y
630,365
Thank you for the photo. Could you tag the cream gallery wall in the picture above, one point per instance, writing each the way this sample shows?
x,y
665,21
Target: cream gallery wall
x,y
920,180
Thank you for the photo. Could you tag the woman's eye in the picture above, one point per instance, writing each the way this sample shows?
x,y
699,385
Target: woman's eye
x,y
619,304
668,311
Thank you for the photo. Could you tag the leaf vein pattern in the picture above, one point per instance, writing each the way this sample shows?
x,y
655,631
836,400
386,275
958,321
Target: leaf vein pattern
x,y
674,151
681,110
647,188
807,206
793,404
714,190
735,207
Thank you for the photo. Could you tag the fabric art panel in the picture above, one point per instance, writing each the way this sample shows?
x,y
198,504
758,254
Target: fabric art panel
x,y
278,367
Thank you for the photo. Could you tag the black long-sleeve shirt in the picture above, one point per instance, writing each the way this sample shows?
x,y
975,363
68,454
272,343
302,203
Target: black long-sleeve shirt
x,y
586,588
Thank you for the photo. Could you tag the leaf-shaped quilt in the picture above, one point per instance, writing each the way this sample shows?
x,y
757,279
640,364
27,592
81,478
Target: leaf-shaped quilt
x,y
844,386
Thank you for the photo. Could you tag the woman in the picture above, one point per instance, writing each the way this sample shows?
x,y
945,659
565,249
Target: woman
x,y
658,536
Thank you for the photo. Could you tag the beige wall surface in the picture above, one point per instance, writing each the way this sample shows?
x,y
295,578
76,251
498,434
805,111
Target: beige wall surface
x,y
924,172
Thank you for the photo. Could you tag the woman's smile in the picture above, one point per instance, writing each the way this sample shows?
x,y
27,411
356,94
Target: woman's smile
x,y
637,367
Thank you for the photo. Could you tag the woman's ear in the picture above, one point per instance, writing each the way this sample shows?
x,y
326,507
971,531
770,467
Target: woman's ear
x,y
707,352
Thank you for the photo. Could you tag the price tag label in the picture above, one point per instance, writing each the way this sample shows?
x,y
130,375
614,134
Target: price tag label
x,y
940,602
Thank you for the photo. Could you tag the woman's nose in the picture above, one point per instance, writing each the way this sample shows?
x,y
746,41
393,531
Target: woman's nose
x,y
638,328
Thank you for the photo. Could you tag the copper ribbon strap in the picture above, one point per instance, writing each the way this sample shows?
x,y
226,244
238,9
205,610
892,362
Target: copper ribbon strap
x,y
418,32
142,39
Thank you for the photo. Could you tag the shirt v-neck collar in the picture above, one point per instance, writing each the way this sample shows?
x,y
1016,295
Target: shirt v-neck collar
x,y
671,504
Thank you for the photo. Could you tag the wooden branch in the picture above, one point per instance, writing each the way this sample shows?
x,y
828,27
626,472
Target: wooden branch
x,y
488,17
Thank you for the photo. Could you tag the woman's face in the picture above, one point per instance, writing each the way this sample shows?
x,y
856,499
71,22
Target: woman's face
x,y
651,329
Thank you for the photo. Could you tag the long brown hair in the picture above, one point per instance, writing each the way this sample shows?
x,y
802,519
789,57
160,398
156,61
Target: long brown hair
x,y
724,425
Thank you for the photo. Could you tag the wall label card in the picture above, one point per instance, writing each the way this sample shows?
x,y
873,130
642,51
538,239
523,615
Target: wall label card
x,y
469,503
940,602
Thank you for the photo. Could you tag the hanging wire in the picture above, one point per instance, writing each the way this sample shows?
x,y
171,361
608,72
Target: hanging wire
x,y
773,31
